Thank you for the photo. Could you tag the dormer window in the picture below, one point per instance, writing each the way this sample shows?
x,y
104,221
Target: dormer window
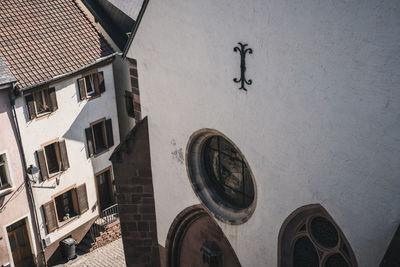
x,y
91,85
41,102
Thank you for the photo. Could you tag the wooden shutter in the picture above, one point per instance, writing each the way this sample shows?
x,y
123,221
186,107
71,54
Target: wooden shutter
x,y
96,82
82,88
50,216
102,86
82,198
89,138
64,155
53,99
31,106
109,129
42,164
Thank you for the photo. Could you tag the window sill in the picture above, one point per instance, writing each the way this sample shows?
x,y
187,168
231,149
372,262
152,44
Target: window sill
x,y
55,175
6,191
94,96
64,223
44,115
101,152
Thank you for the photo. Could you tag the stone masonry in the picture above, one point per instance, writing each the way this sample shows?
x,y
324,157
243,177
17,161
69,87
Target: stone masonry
x,y
132,169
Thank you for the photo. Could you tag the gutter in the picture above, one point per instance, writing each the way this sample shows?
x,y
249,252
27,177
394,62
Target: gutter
x,y
8,84
27,180
135,27
64,75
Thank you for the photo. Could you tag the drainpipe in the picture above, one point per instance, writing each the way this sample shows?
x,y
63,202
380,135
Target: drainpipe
x,y
27,180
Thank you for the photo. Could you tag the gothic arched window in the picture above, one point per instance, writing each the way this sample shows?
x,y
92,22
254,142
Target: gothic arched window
x,y
310,238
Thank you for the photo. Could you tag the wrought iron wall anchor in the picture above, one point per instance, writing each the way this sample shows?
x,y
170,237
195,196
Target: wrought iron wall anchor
x,y
243,50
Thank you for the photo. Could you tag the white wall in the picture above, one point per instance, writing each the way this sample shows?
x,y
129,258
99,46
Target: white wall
x,y
320,124
69,123
122,84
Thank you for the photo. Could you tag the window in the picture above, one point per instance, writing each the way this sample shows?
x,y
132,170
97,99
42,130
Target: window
x,y
105,188
221,176
99,137
309,237
5,181
41,102
129,104
52,159
65,206
227,172
91,85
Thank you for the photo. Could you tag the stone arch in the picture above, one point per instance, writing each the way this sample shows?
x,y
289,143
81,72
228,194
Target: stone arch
x,y
310,229
195,224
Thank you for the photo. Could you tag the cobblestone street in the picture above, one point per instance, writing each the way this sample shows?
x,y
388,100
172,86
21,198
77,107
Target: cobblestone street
x,y
109,255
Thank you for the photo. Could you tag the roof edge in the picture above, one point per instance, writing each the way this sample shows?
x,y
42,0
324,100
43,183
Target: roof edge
x,y
8,84
135,28
61,76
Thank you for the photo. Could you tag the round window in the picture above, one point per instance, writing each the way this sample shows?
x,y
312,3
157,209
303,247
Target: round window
x,y
221,177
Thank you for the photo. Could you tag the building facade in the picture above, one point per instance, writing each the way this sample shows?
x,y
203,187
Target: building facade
x,y
65,103
17,236
303,161
69,145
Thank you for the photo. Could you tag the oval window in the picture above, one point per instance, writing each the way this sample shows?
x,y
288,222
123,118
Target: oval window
x,y
221,177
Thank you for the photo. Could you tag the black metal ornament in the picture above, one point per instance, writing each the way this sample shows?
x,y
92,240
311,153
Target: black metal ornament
x,y
243,50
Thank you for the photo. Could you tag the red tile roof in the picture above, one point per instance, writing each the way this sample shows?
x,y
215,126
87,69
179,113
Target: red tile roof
x,y
41,39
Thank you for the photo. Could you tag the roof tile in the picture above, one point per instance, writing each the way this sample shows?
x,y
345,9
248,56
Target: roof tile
x,y
42,39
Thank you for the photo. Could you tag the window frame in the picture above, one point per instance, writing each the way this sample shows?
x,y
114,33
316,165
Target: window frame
x,y
43,95
49,97
63,168
108,135
9,173
88,77
75,203
298,225
112,187
103,121
223,210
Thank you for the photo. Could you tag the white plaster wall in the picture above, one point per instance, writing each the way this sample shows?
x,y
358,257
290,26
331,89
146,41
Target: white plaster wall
x,y
69,123
122,84
320,124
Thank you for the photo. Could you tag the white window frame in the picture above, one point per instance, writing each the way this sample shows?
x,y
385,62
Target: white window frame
x,y
10,174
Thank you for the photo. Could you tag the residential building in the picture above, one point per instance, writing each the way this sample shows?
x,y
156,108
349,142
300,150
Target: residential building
x,y
66,108
298,165
17,236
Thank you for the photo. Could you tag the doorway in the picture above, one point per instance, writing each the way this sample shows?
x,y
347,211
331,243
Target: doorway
x,y
104,189
20,244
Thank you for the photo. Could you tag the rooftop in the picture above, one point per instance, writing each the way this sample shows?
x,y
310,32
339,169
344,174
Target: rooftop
x,y
43,39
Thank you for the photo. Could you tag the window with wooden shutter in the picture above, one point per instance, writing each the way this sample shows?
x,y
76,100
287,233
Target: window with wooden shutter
x,y
82,198
91,85
53,99
50,216
64,155
109,129
42,164
82,88
89,139
31,106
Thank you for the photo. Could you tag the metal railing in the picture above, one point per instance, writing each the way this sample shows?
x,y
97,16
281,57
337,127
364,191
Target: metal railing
x,y
106,217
